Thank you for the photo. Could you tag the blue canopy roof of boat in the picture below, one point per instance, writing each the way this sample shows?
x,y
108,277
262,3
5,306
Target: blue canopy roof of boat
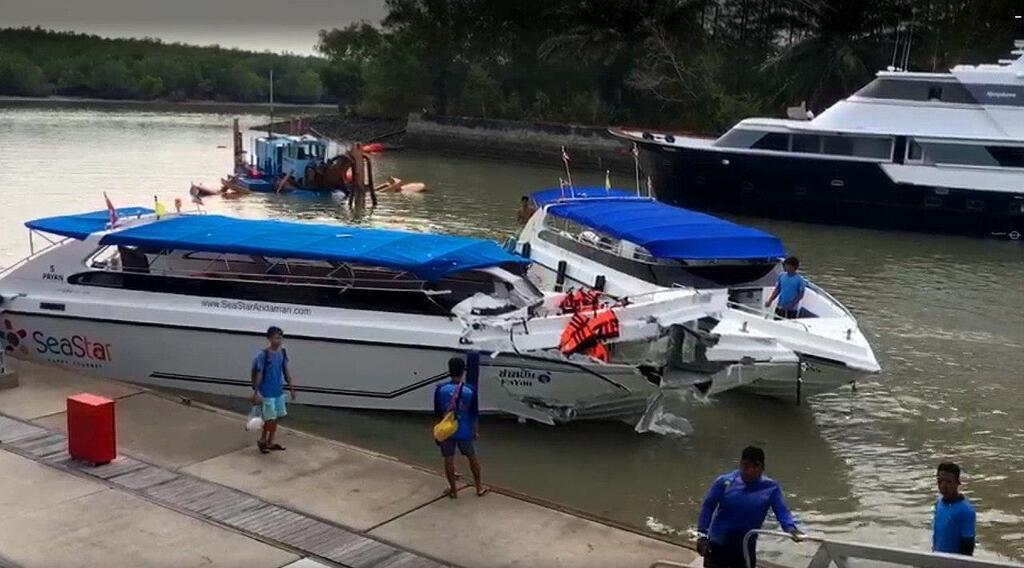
x,y
82,225
665,231
546,196
426,255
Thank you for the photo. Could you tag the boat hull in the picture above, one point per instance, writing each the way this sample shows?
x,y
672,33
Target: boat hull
x,y
327,372
247,184
789,383
834,191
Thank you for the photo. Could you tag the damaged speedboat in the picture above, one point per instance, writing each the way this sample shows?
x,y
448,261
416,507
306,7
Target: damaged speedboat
x,y
371,315
625,245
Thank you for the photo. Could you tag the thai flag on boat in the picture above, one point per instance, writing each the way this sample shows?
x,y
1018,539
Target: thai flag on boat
x,y
111,212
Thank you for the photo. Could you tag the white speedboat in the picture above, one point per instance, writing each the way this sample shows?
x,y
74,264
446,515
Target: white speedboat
x,y
627,245
371,316
940,152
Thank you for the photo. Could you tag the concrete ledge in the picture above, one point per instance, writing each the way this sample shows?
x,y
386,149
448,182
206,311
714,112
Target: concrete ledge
x,y
531,142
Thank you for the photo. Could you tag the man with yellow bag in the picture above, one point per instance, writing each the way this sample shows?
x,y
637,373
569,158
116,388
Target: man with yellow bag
x,y
453,405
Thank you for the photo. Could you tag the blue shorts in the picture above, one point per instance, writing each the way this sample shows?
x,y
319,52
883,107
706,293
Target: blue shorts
x,y
274,408
465,447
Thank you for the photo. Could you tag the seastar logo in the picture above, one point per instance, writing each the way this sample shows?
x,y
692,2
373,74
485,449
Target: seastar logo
x,y
13,337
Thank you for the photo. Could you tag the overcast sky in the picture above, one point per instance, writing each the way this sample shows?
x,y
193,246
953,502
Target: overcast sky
x,y
274,25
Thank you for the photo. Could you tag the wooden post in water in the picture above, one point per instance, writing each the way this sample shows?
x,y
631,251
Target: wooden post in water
x,y
357,195
237,141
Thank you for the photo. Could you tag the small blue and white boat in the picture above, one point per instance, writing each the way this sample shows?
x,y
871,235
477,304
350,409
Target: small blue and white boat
x,y
288,163
626,245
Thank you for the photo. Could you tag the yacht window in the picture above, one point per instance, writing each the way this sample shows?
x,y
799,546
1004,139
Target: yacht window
x,y
859,146
807,143
960,154
773,141
1008,156
916,90
914,152
739,138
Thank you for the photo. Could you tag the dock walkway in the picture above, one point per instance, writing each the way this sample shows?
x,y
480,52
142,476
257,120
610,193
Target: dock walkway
x,y
190,488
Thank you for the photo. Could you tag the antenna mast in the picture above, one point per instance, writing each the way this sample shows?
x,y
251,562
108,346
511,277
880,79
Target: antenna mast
x,y
910,42
270,125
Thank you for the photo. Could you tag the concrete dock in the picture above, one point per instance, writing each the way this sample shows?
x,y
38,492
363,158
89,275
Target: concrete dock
x,y
190,489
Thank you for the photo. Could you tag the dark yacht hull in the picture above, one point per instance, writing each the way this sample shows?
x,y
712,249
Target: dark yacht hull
x,y
834,191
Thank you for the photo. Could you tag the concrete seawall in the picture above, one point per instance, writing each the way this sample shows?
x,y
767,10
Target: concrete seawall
x,y
530,142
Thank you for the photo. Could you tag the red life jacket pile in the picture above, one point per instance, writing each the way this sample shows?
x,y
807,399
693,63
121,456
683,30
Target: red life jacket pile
x,y
585,333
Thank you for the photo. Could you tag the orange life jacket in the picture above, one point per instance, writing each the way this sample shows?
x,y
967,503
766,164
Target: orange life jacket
x,y
585,334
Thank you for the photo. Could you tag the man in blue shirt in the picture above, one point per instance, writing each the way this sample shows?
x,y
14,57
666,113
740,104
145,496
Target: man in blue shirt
x,y
269,375
953,528
789,289
457,396
736,504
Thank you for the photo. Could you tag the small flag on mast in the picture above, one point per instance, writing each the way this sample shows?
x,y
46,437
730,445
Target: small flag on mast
x,y
636,166
159,207
112,217
568,175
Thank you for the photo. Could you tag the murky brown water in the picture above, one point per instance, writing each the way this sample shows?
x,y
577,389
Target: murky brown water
x,y
944,314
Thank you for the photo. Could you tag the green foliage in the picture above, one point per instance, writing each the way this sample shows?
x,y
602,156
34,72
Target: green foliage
x,y
151,87
480,95
112,80
19,76
394,85
301,86
699,65
37,62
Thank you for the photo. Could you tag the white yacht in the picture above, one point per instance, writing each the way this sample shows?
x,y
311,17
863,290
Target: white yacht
x,y
371,316
940,152
626,245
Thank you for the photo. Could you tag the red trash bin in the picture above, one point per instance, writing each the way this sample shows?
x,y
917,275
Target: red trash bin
x,y
91,431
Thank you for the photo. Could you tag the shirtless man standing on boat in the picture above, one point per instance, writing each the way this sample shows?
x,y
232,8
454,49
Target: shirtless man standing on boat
x,y
526,210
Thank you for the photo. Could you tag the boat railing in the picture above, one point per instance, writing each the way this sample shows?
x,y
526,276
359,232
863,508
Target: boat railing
x,y
765,314
33,252
821,291
340,284
839,552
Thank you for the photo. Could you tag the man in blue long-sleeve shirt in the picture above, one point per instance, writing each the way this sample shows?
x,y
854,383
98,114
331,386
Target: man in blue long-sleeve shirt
x,y
736,504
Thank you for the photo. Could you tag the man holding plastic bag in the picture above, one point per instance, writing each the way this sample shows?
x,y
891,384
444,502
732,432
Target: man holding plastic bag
x,y
269,375
453,405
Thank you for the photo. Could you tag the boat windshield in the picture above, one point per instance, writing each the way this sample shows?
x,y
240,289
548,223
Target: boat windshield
x,y
635,260
298,281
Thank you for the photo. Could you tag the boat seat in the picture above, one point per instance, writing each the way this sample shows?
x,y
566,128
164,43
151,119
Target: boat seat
x,y
133,260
